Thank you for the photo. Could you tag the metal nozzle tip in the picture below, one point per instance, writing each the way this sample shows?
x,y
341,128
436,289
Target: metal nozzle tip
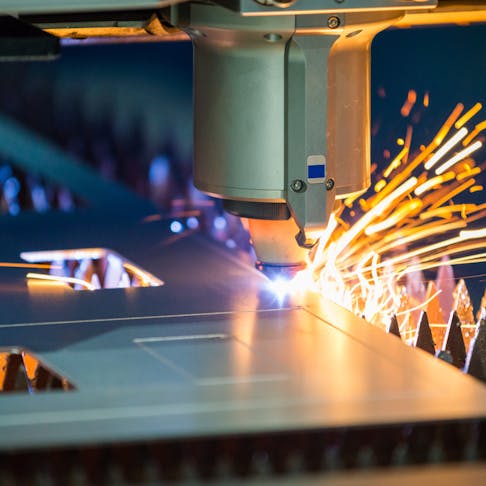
x,y
275,271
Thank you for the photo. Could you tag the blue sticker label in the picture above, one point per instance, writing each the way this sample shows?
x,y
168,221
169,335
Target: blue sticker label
x,y
316,171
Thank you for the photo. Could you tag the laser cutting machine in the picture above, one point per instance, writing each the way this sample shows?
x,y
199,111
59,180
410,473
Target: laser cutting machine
x,y
203,372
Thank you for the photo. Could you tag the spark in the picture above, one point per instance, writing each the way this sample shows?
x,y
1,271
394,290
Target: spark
x,y
452,142
468,115
408,223
458,157
434,182
409,103
426,99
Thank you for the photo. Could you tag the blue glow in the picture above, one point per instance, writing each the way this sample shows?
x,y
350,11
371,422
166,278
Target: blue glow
x,y
176,227
11,188
220,222
159,171
280,287
14,209
231,244
192,222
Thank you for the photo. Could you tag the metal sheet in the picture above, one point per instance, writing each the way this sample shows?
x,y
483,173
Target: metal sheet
x,y
211,352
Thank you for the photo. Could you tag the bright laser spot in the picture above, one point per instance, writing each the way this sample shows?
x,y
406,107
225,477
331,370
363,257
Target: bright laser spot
x,y
281,287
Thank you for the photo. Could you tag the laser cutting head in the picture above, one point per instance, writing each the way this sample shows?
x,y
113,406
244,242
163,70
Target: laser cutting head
x,y
281,106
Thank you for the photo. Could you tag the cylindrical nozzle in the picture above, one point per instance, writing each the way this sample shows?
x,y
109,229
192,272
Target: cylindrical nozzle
x,y
276,248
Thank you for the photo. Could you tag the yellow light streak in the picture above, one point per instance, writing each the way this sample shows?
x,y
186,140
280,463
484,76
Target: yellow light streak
x,y
395,163
476,188
468,115
423,234
434,182
56,278
479,258
360,225
448,124
446,211
453,141
477,129
422,305
468,173
400,214
453,192
458,157
380,185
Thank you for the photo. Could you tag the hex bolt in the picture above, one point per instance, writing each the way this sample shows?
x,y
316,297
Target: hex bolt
x,y
329,183
297,185
333,22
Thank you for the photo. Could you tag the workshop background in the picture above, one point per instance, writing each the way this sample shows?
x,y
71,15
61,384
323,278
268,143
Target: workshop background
x,y
126,109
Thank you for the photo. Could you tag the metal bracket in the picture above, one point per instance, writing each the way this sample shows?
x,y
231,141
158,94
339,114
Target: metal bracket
x,y
20,41
306,127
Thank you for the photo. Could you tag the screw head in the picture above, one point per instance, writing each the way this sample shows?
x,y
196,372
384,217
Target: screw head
x,y
297,185
330,183
333,22
272,37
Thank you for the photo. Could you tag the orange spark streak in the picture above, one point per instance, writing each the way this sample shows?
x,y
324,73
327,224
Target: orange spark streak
x,y
453,193
426,99
446,211
409,103
468,115
47,266
477,129
468,173
395,163
448,124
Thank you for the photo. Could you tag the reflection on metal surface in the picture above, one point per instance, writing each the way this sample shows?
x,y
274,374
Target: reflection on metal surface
x,y
90,269
21,371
